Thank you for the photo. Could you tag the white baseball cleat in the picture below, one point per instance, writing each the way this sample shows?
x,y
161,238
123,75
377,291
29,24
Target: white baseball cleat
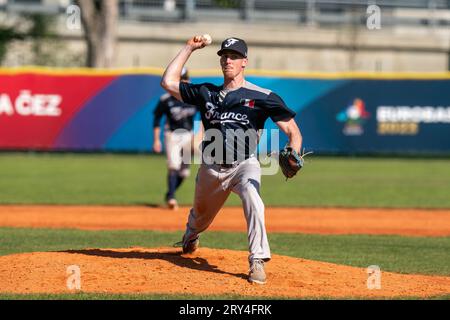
x,y
257,273
172,204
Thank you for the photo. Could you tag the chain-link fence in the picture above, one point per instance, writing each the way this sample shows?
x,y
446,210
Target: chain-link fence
x,y
307,12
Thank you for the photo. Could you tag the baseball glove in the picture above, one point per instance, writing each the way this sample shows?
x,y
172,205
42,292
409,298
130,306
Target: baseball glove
x,y
290,162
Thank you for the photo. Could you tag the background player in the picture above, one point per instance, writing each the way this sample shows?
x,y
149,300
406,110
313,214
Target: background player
x,y
179,115
237,104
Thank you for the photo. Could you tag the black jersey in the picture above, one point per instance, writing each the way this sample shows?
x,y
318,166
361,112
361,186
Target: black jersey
x,y
179,114
246,108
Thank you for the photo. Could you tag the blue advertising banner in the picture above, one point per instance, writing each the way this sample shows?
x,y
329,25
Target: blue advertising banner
x,y
388,116
336,114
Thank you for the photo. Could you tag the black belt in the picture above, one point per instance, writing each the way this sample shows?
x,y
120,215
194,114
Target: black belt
x,y
228,165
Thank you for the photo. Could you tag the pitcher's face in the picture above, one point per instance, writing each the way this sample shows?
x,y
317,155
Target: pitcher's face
x,y
232,64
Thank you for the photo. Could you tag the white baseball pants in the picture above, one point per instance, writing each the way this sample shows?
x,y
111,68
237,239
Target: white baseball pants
x,y
213,186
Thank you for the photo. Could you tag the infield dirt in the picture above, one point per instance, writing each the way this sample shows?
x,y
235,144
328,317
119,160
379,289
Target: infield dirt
x,y
212,271
408,222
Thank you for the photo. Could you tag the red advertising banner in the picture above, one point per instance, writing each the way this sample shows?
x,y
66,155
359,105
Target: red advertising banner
x,y
35,107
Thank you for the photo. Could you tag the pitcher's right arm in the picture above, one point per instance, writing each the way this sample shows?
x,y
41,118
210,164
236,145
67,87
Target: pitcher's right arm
x,y
172,75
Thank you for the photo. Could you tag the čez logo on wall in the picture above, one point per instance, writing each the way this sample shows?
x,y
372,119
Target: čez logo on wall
x,y
28,104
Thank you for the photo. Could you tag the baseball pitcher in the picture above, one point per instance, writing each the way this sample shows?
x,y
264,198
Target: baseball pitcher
x,y
235,106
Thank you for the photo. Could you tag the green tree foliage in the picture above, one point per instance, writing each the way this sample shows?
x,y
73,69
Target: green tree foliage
x,y
46,48
7,34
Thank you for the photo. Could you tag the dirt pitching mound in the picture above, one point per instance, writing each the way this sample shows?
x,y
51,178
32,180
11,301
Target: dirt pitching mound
x,y
206,272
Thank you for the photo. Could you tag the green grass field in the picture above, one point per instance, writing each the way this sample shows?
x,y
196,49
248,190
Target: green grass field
x,y
35,178
39,178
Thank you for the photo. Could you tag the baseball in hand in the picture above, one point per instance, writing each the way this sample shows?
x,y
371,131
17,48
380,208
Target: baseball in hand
x,y
207,39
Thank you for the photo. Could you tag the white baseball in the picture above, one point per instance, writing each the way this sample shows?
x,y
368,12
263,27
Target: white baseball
x,y
207,39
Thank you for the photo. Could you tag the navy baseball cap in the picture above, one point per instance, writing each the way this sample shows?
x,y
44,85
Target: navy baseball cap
x,y
234,44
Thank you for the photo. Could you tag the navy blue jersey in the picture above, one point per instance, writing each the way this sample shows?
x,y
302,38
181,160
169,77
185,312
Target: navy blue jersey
x,y
246,108
179,115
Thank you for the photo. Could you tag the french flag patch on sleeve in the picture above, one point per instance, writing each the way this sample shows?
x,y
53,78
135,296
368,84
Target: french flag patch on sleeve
x,y
248,103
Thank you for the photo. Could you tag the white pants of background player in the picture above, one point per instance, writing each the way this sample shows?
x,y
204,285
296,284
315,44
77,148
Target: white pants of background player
x,y
177,144
213,186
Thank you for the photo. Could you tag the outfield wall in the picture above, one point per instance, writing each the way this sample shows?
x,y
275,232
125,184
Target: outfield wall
x,y
84,110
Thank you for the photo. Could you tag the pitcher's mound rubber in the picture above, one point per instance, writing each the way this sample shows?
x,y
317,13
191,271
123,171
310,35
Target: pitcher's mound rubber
x,y
206,272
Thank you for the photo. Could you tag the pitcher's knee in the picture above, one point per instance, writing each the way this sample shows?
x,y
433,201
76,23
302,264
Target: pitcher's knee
x,y
248,189
199,221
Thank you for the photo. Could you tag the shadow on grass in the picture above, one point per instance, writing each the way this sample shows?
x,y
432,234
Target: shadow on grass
x,y
175,258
